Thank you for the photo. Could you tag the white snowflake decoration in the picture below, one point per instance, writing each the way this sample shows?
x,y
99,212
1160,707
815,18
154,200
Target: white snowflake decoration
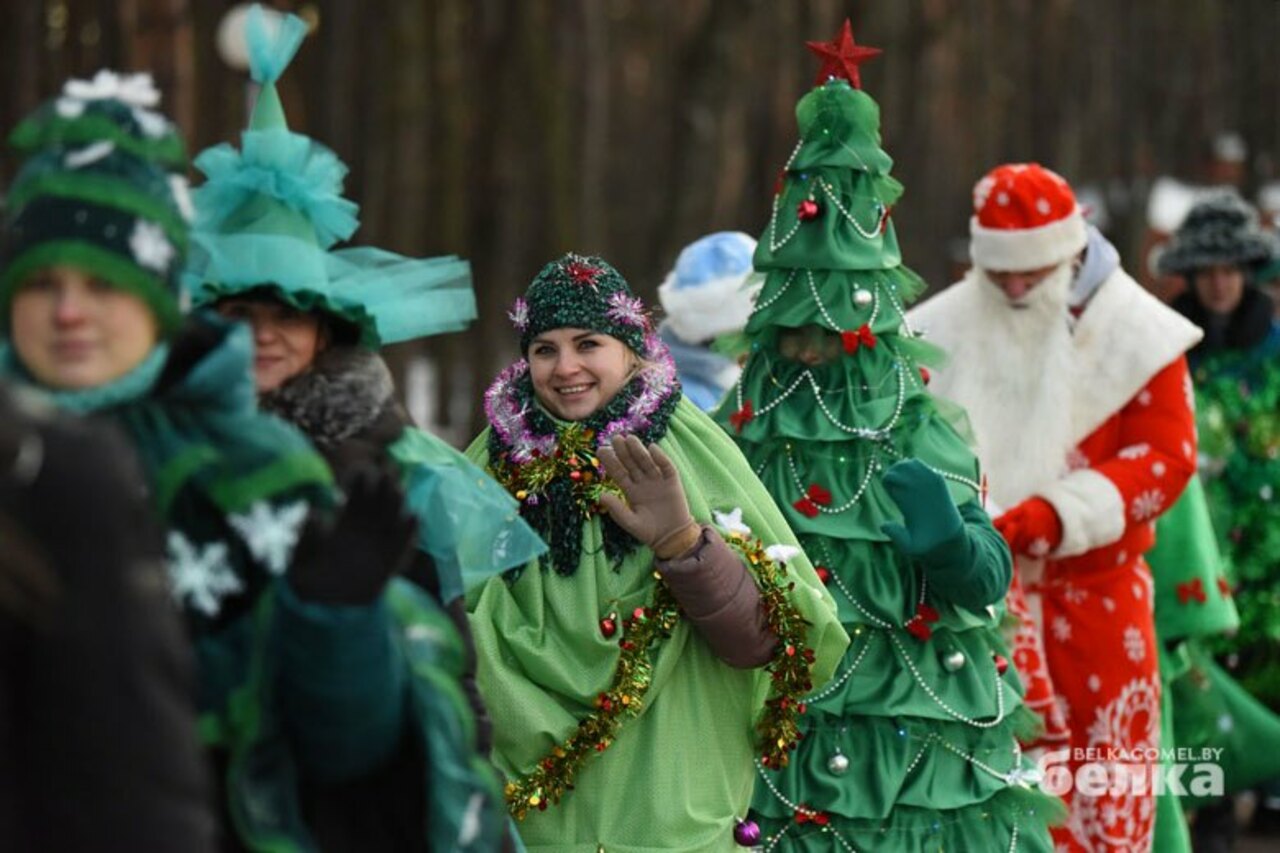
x,y
627,310
981,190
1134,645
136,90
1061,629
731,522
1144,397
781,553
1147,505
1134,451
151,123
1094,683
269,534
150,247
181,189
1038,547
199,576
81,157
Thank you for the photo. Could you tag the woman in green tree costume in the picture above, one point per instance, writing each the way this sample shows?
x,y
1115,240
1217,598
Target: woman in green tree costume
x,y
634,671
913,745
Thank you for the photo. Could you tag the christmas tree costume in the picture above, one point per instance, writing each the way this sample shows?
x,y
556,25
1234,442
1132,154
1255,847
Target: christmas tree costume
x,y
267,219
597,678
1192,599
282,713
912,746
1077,391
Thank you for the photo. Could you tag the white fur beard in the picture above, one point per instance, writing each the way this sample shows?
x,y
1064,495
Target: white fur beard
x,y
1014,374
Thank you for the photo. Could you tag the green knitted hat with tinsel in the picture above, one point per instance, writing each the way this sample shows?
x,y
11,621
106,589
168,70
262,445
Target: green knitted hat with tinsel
x,y
1220,230
96,192
581,293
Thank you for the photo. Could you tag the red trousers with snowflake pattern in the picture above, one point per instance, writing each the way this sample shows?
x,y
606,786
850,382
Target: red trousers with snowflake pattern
x,y
1094,669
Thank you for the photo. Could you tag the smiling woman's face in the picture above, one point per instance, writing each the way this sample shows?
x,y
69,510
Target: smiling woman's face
x,y
576,372
285,340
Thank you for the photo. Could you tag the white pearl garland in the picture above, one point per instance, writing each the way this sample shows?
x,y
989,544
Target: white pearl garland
x,y
881,212
929,691
837,683
834,510
772,299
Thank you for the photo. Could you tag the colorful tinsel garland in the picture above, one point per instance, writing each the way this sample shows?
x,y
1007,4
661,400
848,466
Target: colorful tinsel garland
x,y
646,627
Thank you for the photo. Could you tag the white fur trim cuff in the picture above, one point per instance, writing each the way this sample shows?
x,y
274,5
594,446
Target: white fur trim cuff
x,y
699,313
1015,250
1091,510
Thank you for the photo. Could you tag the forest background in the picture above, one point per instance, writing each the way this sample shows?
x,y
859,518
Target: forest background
x,y
511,131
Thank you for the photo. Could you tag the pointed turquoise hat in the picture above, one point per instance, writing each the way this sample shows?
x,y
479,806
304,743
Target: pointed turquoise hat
x,y
270,213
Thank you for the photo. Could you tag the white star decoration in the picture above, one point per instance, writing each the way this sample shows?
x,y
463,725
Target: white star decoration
x,y
199,576
781,553
150,247
271,535
731,522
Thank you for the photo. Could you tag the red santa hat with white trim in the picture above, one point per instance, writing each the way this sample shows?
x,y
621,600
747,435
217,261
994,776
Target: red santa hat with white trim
x,y
1025,217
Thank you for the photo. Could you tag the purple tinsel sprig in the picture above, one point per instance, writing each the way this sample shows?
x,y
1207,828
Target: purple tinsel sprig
x,y
627,310
519,314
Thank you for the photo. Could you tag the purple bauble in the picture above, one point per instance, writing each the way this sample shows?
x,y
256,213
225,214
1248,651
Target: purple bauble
x,y
747,833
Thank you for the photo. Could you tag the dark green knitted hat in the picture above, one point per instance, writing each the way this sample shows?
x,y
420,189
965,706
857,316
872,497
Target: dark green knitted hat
x,y
96,192
581,293
1220,230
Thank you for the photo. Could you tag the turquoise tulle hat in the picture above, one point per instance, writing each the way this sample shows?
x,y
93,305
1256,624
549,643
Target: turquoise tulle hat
x,y
269,214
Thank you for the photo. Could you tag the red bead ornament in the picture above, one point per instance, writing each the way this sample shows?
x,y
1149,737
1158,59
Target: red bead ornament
x,y
808,210
1002,664
925,376
1224,587
823,573
609,626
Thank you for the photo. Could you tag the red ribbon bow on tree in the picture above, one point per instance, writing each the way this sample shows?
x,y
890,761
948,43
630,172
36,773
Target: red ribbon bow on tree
x,y
918,625
804,814
1191,589
814,498
863,336
742,417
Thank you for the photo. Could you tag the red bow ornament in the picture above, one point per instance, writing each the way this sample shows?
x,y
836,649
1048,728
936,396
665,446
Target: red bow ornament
x,y
1191,589
804,815
918,625
814,498
742,417
863,336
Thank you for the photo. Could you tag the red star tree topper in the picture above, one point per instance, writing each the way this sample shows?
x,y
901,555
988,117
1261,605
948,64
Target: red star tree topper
x,y
841,56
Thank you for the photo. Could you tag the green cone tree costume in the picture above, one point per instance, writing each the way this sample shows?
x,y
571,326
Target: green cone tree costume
x,y
912,745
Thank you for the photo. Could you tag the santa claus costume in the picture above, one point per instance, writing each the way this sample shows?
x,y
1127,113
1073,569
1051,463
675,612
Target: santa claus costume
x,y
1078,393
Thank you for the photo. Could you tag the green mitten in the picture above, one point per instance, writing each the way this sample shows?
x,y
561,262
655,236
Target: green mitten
x,y
962,555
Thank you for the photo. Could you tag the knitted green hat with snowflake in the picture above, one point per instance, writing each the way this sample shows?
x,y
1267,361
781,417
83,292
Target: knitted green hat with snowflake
x,y
96,192
580,292
271,212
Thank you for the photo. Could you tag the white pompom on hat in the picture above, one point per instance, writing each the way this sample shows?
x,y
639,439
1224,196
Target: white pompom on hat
x,y
1025,217
707,293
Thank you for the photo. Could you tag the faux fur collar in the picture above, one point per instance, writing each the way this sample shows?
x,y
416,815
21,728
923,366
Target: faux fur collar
x,y
341,396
